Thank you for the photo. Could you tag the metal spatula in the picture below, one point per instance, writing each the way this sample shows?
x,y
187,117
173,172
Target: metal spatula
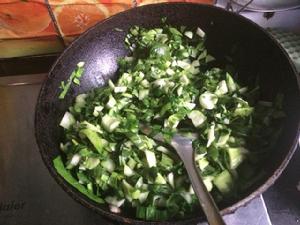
x,y
183,147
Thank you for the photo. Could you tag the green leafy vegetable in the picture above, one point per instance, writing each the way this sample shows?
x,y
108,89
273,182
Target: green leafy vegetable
x,y
60,168
166,83
75,78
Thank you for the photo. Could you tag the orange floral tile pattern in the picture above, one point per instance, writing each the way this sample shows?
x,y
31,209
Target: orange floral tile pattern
x,y
116,8
15,1
126,2
23,19
71,2
27,24
75,18
146,2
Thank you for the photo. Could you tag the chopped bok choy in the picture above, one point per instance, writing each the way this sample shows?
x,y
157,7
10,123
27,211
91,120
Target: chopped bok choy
x,y
166,83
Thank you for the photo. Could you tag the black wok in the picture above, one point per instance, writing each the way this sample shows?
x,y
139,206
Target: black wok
x,y
253,51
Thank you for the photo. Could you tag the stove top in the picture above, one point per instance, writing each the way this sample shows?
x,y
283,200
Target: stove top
x,y
29,196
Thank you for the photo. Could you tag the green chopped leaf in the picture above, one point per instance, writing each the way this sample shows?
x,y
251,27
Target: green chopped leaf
x,y
61,170
208,100
224,182
166,84
74,78
94,139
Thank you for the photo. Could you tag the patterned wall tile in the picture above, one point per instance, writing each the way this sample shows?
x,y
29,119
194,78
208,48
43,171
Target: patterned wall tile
x,y
70,2
75,16
15,1
26,27
145,2
23,19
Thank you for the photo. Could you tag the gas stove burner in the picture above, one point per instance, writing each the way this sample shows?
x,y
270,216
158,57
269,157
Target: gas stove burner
x,y
266,5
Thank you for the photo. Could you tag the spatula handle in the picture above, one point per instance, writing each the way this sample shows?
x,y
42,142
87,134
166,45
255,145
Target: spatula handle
x,y
207,203
185,150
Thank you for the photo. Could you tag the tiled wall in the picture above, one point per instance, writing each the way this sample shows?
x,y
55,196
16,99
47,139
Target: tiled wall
x,y
35,27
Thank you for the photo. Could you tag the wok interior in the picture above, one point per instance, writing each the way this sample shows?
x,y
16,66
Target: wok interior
x,y
100,48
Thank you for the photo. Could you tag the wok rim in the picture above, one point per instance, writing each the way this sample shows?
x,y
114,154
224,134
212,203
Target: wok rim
x,y
83,200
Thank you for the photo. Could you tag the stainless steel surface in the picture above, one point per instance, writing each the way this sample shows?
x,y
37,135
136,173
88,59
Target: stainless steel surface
x,y
269,5
28,194
285,20
253,214
22,80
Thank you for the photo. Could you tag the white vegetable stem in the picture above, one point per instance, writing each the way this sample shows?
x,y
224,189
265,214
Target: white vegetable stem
x,y
67,121
208,100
